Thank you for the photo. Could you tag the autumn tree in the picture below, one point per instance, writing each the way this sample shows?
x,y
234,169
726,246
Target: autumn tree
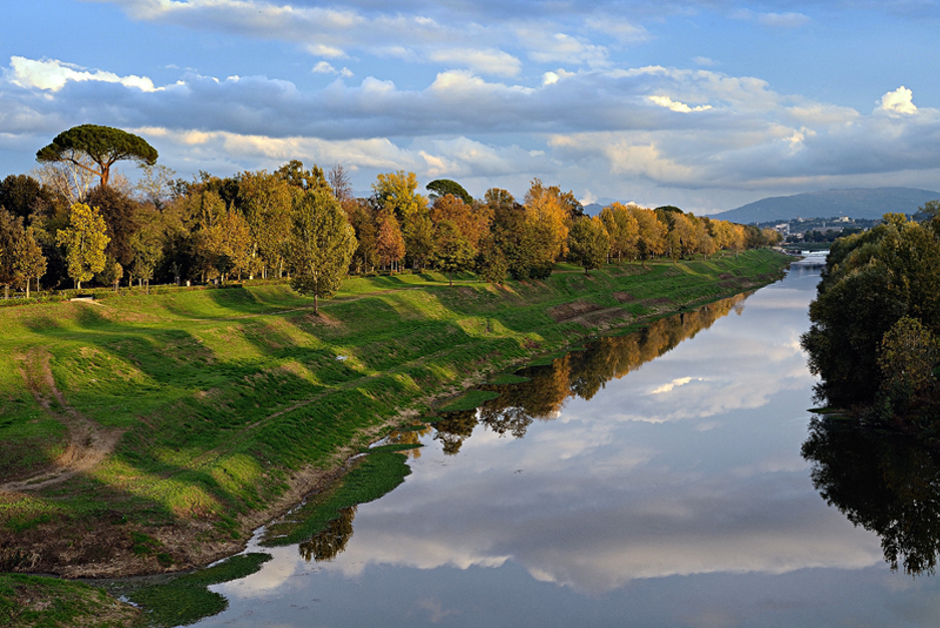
x,y
397,192
205,210
28,261
102,145
588,243
527,248
300,179
545,206
321,245
651,237
84,240
389,243
622,229
266,202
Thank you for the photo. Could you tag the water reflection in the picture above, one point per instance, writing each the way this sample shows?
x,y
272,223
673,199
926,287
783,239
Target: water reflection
x,y
578,374
331,541
884,481
674,497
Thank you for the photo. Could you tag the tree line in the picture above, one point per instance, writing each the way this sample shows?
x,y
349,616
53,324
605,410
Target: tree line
x,y
74,219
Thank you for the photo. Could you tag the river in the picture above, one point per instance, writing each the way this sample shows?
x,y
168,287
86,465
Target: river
x,y
615,488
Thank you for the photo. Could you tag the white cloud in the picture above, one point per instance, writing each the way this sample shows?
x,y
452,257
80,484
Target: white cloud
x,y
485,61
52,75
900,101
324,67
552,47
679,107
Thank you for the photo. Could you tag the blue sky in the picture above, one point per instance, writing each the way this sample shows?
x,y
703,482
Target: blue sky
x,y
707,104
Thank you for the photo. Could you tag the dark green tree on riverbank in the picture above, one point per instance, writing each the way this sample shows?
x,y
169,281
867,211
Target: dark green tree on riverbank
x,y
871,281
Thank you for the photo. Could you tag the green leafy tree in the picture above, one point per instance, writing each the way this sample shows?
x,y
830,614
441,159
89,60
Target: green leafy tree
x,y
28,260
440,188
84,240
111,274
452,250
871,280
364,224
11,230
148,249
321,245
588,243
103,145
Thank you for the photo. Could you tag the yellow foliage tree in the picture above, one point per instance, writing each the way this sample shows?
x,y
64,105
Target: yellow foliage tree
x,y
84,240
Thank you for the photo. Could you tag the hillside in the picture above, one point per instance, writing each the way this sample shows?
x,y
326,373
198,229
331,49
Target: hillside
x,y
864,203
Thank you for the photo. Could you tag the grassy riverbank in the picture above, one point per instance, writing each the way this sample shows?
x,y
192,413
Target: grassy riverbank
x,y
195,416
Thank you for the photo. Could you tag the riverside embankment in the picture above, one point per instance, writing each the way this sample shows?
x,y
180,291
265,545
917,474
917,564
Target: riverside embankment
x,y
153,433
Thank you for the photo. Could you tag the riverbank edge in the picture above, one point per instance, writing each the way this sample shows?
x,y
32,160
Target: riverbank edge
x,y
310,479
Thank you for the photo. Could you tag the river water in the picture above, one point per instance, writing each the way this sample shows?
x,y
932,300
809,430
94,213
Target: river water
x,y
614,488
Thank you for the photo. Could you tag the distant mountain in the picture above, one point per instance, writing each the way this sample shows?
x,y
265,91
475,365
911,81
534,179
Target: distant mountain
x,y
865,203
593,209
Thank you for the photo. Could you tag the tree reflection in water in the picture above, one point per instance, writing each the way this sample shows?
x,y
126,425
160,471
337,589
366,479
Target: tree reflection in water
x,y
331,541
884,481
577,374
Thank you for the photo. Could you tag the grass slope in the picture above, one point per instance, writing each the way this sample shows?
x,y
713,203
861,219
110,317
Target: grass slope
x,y
233,403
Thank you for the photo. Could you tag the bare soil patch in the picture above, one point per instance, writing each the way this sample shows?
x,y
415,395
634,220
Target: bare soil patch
x,y
569,311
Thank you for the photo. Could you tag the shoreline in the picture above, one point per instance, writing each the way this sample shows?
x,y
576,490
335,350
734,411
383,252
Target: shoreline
x,y
570,328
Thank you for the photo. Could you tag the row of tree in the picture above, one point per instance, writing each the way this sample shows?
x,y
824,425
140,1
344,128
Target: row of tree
x,y
56,225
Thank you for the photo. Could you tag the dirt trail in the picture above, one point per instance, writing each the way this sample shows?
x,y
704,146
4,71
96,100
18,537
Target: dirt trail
x,y
89,443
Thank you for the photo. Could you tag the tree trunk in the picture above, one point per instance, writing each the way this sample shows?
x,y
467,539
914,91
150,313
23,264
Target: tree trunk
x,y
27,287
316,305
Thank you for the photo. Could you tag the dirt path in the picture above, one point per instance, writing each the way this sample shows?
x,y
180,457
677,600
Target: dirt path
x,y
89,443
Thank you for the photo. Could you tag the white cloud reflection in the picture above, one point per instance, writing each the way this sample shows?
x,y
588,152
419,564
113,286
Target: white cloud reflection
x,y
699,483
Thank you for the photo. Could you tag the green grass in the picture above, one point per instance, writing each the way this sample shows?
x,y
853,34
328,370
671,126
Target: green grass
x,y
469,400
225,394
183,600
41,602
380,471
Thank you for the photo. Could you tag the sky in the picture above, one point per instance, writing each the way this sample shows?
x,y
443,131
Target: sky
x,y
703,104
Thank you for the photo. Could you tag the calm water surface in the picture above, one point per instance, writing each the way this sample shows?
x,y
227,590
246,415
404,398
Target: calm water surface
x,y
675,496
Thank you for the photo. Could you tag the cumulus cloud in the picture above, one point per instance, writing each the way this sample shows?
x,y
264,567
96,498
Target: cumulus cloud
x,y
737,132
900,101
324,67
